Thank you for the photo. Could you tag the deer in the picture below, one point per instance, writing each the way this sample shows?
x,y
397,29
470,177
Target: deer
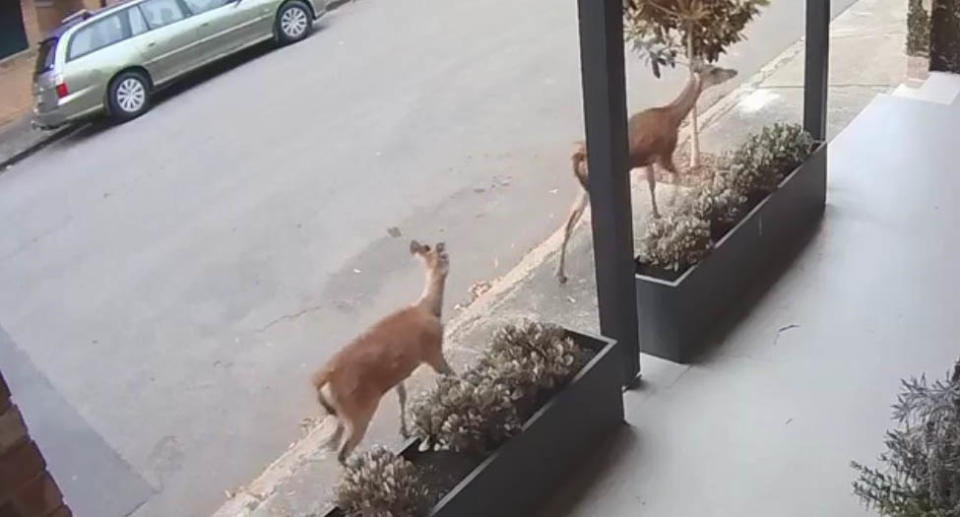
x,y
652,138
354,380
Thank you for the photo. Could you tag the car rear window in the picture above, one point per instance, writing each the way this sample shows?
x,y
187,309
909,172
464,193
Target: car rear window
x,y
46,55
97,35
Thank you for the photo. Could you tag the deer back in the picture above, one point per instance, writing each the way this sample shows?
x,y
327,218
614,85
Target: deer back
x,y
386,354
652,133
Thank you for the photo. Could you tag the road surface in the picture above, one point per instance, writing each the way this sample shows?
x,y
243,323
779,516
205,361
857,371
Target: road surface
x,y
167,285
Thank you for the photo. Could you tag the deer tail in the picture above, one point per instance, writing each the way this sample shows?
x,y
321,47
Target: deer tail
x,y
320,379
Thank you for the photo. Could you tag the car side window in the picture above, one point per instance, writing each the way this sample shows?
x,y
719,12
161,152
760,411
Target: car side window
x,y
161,12
95,36
199,6
137,24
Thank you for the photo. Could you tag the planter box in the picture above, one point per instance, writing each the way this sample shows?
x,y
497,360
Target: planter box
x,y
676,317
525,469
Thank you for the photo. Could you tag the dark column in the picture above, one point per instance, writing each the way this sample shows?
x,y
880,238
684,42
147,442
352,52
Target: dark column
x,y
816,68
605,115
945,36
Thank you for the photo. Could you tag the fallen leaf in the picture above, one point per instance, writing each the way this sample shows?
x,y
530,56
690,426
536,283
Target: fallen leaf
x,y
478,288
554,191
357,271
394,232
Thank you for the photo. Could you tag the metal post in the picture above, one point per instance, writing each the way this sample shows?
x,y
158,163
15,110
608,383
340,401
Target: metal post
x,y
816,70
605,116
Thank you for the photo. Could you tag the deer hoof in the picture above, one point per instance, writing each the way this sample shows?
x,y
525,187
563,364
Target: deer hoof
x,y
404,433
562,278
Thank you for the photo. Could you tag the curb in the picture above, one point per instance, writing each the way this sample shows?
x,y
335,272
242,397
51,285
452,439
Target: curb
x,y
17,156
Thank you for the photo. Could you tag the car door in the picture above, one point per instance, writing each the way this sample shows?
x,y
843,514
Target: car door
x,y
171,47
227,25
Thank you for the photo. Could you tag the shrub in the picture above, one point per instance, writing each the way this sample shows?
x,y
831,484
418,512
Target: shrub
x,y
760,164
715,199
381,484
529,358
470,414
675,242
921,477
488,403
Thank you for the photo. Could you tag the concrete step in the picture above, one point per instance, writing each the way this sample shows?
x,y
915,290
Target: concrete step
x,y
939,88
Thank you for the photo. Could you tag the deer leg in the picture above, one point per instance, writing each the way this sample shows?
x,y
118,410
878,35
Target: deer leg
x,y
334,441
652,183
402,397
439,364
356,427
575,212
667,163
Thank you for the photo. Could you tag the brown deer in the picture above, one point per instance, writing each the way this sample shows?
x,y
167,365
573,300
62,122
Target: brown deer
x,y
652,137
353,381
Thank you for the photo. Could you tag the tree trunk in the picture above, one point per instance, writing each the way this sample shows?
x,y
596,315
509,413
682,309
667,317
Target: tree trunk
x,y
695,139
695,124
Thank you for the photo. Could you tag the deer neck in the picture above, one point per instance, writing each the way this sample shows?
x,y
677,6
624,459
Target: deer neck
x,y
687,99
432,297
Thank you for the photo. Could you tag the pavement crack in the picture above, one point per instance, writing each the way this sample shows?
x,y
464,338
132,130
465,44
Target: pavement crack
x,y
289,317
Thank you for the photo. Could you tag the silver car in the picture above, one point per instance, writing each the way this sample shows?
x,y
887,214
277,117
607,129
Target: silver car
x,y
112,60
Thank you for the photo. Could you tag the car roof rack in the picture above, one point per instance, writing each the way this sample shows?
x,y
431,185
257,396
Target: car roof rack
x,y
82,14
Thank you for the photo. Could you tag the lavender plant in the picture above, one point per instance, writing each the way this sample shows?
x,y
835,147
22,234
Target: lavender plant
x,y
920,476
760,164
487,404
675,242
378,483
715,198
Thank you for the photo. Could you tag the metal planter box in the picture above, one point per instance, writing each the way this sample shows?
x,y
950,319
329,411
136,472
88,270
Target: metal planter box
x,y
525,469
676,317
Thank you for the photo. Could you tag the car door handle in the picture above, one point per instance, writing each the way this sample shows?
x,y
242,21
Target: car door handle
x,y
207,24
152,44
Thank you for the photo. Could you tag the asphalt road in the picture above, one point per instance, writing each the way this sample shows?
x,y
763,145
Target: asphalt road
x,y
167,285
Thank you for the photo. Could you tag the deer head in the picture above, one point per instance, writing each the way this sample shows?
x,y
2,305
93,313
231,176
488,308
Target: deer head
x,y
711,75
435,259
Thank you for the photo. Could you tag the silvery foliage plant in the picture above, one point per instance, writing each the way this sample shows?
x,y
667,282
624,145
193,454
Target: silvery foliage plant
x,y
675,242
488,403
379,483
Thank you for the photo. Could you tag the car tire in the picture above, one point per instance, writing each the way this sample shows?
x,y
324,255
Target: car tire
x,y
128,96
294,22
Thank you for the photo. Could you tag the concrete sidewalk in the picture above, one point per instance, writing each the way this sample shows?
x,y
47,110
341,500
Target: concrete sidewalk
x,y
867,58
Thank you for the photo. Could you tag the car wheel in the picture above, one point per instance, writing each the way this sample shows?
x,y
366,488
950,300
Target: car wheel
x,y
294,22
129,96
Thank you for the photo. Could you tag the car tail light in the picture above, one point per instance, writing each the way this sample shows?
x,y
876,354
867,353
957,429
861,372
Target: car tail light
x,y
62,90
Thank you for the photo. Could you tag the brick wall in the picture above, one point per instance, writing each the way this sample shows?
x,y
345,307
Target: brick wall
x,y
30,23
26,488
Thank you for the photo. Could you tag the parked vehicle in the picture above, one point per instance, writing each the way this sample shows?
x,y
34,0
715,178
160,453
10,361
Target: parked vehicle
x,y
112,60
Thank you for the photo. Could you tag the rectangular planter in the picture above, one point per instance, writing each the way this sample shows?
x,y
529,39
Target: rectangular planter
x,y
677,317
525,469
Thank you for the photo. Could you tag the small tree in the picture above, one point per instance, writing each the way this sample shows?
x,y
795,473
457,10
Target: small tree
x,y
700,30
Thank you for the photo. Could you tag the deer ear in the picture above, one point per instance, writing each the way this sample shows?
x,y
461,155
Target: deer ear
x,y
415,247
440,247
